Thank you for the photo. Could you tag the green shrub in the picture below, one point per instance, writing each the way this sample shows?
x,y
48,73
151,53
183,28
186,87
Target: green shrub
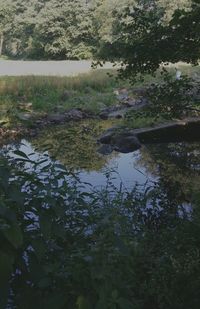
x,y
172,97
62,247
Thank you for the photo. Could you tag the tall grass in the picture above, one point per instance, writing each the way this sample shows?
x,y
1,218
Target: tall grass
x,y
91,91
98,80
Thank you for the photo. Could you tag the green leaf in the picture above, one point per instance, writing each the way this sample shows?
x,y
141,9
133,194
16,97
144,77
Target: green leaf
x,y
6,268
126,304
14,235
21,154
45,226
55,300
17,196
82,303
39,248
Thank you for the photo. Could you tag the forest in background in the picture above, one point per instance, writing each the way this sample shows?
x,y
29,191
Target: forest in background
x,y
77,29
64,245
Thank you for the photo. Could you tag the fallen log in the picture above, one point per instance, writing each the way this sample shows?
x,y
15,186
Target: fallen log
x,y
128,140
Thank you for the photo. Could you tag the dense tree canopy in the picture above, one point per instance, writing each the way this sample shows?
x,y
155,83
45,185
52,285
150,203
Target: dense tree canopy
x,y
146,35
47,29
7,10
140,33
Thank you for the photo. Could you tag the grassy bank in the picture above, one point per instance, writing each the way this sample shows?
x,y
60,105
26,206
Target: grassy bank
x,y
55,94
93,92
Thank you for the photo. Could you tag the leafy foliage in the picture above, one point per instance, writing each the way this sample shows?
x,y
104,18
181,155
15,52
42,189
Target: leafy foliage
x,y
62,247
174,98
49,29
140,33
6,16
64,30
142,40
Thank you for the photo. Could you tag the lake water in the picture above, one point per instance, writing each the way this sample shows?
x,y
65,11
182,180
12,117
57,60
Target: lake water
x,y
176,166
119,169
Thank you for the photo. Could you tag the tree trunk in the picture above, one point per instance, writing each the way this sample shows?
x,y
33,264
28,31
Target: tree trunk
x,y
1,43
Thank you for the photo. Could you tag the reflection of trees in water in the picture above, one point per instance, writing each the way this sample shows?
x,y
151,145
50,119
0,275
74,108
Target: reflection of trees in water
x,y
75,145
177,165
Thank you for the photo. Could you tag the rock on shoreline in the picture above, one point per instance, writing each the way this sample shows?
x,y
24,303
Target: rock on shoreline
x,y
128,140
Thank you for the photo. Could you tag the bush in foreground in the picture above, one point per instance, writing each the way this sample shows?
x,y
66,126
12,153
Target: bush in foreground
x,y
62,247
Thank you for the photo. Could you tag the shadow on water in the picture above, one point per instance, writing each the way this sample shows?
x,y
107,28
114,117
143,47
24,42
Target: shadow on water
x,y
179,131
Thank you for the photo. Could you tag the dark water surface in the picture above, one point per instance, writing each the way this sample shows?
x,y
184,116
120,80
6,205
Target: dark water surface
x,y
176,165
76,232
117,168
